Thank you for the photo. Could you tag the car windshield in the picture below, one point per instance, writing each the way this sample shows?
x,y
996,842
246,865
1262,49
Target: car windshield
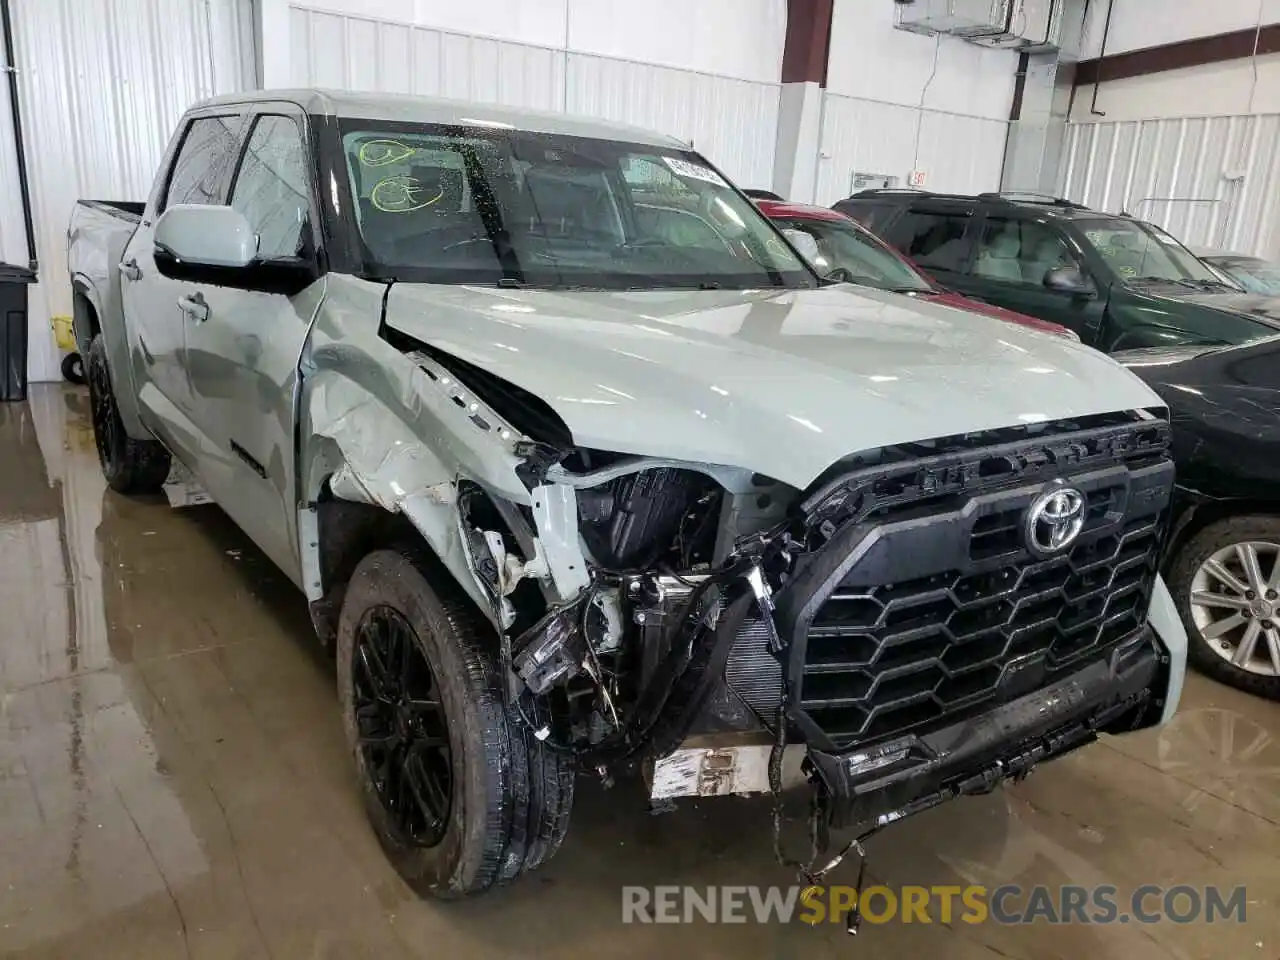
x,y
448,204
841,244
1142,251
1254,275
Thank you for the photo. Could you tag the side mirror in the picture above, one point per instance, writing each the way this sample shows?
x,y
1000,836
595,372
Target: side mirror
x,y
1069,280
805,243
207,236
215,245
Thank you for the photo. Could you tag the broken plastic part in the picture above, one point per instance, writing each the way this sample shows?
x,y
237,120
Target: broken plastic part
x,y
551,651
733,479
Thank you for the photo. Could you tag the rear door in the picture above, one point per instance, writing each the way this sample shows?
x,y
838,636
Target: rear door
x,y
937,236
155,306
244,344
1014,253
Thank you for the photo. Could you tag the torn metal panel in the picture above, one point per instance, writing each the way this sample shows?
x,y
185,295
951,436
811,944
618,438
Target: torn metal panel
x,y
400,431
440,525
555,511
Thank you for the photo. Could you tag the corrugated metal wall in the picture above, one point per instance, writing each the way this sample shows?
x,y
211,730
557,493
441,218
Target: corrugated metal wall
x,y
103,83
961,153
1210,181
733,122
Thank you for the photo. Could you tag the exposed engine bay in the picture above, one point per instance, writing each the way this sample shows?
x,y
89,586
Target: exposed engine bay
x,y
623,670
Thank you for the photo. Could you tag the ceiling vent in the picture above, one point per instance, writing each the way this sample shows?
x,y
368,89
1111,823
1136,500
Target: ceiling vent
x,y
1028,26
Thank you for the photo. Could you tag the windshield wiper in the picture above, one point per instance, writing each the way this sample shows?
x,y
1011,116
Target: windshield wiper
x,y
1210,284
1182,282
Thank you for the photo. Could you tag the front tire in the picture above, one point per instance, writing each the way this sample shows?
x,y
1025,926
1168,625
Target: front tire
x,y
1226,583
460,794
130,466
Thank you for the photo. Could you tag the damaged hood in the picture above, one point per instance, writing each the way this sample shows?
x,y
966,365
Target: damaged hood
x,y
781,382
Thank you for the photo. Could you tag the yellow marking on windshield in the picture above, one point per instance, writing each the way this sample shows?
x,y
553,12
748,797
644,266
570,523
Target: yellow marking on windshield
x,y
401,195
379,153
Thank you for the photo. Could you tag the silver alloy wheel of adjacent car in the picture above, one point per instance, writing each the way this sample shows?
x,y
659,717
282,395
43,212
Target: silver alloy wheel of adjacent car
x,y
1235,603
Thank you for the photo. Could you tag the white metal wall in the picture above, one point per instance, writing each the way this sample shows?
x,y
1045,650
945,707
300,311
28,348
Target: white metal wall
x,y
897,101
959,153
1210,181
732,121
102,84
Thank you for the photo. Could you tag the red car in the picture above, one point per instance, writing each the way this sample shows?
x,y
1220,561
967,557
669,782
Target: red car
x,y
841,244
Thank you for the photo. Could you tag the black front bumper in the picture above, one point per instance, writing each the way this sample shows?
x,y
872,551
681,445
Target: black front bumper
x,y
900,776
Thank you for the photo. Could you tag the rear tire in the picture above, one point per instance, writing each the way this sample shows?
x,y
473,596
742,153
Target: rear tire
x,y
508,796
1213,656
130,466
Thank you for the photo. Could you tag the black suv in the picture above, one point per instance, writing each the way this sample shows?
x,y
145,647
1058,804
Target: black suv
x,y
1117,282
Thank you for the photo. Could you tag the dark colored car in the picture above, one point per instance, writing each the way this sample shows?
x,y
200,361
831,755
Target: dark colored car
x,y
1253,274
1223,559
834,242
1119,283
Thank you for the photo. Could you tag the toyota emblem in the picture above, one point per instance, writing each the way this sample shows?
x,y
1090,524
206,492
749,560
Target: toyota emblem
x,y
1054,519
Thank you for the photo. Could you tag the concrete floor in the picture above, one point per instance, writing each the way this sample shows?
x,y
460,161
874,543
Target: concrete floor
x,y
174,780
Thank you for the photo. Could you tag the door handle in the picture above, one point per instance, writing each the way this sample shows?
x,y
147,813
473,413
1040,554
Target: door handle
x,y
194,306
130,270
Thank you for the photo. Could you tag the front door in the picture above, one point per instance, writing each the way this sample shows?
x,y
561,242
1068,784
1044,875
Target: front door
x,y
1009,267
158,306
243,351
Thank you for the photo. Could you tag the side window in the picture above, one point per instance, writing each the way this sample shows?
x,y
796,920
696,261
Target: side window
x,y
198,165
271,187
1019,251
935,241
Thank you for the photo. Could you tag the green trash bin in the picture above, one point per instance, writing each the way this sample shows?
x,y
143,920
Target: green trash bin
x,y
14,281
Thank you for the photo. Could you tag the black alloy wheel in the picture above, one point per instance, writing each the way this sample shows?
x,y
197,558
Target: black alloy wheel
x,y
130,466
106,421
401,727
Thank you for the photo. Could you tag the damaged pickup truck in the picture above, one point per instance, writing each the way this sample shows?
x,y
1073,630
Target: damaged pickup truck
x,y
584,470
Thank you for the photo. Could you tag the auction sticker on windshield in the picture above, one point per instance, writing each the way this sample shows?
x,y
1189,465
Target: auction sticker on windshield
x,y
684,168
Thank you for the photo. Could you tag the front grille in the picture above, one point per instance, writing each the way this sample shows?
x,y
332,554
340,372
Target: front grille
x,y
930,608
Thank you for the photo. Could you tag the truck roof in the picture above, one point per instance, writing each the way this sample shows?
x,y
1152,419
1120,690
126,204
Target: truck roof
x,y
415,109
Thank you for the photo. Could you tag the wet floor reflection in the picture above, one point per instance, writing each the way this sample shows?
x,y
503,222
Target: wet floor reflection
x,y
174,780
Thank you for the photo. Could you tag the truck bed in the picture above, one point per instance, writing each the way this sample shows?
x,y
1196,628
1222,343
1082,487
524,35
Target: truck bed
x,y
130,210
96,238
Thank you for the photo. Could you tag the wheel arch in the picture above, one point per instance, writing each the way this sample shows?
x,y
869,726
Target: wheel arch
x,y
1204,513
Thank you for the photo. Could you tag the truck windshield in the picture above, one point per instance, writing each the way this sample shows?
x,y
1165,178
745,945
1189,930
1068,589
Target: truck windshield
x,y
446,204
1140,251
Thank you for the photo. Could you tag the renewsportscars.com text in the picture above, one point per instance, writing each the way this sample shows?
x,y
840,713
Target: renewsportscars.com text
x,y
1008,904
